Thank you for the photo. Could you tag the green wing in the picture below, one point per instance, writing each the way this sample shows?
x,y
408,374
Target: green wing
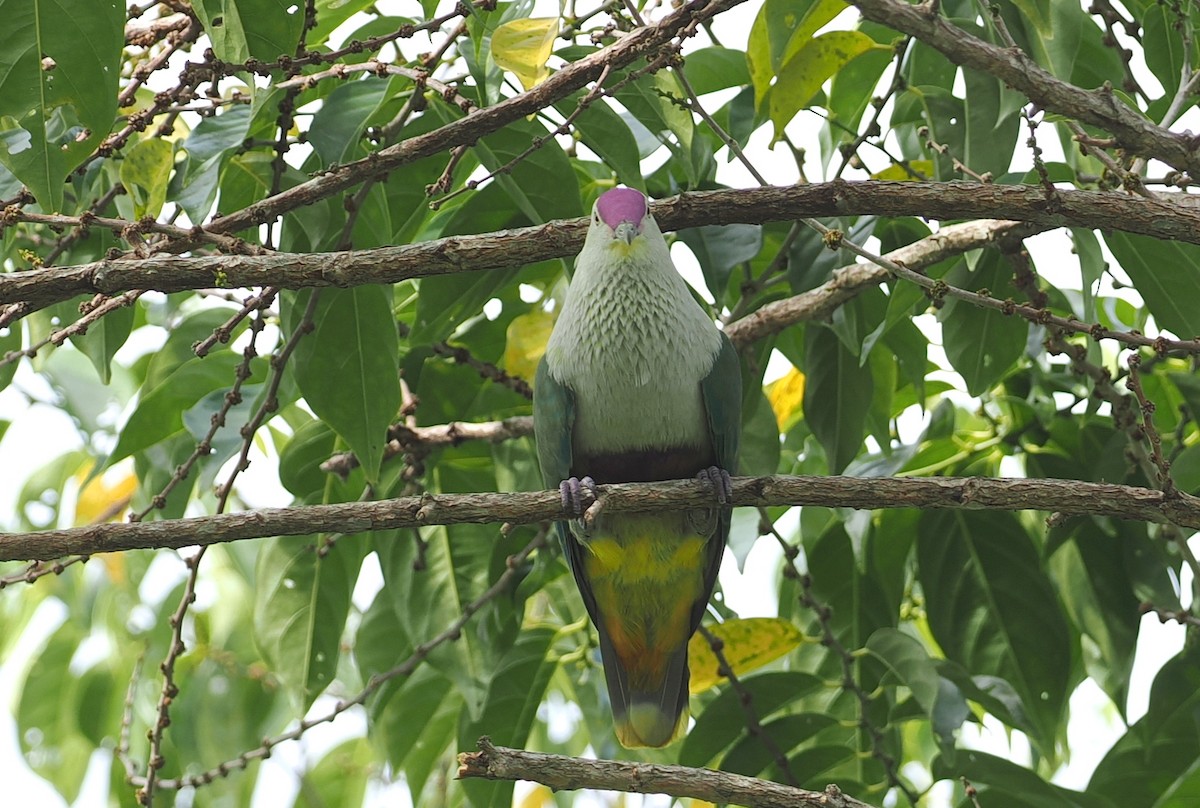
x,y
553,421
722,391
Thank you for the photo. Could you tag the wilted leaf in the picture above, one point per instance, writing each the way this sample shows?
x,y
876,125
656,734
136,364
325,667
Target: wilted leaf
x,y
802,76
899,174
525,342
523,46
786,395
747,645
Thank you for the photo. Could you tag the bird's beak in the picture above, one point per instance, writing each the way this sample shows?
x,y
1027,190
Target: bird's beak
x,y
627,232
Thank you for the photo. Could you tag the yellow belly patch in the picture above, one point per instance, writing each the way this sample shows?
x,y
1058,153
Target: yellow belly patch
x,y
646,573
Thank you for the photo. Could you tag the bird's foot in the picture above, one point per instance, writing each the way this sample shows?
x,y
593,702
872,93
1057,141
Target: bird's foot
x,y
719,482
577,495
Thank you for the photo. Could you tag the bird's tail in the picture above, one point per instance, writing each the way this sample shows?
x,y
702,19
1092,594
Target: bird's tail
x,y
649,693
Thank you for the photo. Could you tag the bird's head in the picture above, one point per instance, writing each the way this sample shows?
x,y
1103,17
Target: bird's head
x,y
622,215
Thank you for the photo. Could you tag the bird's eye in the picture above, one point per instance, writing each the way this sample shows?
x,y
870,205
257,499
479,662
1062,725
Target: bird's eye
x,y
596,216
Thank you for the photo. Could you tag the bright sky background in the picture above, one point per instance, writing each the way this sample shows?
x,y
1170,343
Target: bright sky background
x,y
41,431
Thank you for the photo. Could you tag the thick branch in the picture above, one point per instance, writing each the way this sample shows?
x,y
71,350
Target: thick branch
x,y
1015,68
510,248
560,772
1065,496
852,280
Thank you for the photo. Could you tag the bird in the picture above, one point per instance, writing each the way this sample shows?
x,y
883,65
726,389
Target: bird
x,y
638,384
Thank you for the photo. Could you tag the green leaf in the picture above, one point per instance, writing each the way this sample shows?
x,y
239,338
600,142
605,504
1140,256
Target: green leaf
x,y
516,690
724,719
851,91
208,146
301,600
758,452
993,118
10,340
145,172
534,185
716,68
301,458
721,248
50,739
1167,276
1161,749
992,608
429,591
339,778
159,413
658,102
803,74
338,126
103,339
1164,46
751,757
912,666
982,344
1010,783
347,367
837,396
262,29
607,134
1094,581
781,28
58,88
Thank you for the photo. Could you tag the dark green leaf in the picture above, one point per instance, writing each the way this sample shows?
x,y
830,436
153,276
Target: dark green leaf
x,y
302,598
912,666
347,367
1167,276
724,719
606,133
58,88
837,396
720,249
992,608
511,704
982,344
103,339
263,29
1012,784
751,756
716,68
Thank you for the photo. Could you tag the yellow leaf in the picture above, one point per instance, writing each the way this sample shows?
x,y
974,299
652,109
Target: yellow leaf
x,y
526,342
786,396
898,173
524,46
747,645
104,498
540,797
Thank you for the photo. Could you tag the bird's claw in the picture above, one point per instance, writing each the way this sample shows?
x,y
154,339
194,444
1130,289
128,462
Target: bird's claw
x,y
719,482
577,495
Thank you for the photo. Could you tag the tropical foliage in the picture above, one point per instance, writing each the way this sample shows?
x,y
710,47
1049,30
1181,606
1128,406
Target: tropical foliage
x,y
260,253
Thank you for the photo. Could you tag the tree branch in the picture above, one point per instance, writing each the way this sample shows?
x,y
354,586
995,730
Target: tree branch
x,y
864,493
560,772
1015,68
510,248
852,280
